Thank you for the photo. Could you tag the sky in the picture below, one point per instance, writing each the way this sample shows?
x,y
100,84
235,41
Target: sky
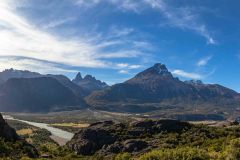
x,y
115,39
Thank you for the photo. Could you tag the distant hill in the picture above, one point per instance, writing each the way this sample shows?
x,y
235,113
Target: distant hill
x,y
78,90
89,83
41,94
12,73
80,86
155,87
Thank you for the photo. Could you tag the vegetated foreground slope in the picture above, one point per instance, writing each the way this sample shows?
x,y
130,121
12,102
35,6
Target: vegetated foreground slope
x,y
156,87
144,140
11,145
161,139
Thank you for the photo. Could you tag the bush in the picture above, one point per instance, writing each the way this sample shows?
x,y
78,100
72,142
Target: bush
x,y
123,156
232,151
186,153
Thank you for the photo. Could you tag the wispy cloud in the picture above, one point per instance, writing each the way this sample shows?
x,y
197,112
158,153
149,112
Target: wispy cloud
x,y
134,66
204,61
57,23
125,68
122,65
86,3
121,4
185,18
19,38
185,74
23,63
128,66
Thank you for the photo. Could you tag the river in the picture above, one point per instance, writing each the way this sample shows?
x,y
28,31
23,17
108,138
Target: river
x,y
58,135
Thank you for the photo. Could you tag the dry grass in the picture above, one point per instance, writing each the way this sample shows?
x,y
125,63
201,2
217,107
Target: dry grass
x,y
29,140
22,132
75,125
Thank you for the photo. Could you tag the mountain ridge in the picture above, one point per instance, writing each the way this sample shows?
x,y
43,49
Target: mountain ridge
x,y
89,83
156,86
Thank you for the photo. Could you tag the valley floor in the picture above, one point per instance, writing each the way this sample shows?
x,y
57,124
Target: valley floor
x,y
218,140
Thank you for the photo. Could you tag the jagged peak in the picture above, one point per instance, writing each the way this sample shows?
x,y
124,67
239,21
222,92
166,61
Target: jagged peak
x,y
157,69
78,77
89,77
160,68
194,82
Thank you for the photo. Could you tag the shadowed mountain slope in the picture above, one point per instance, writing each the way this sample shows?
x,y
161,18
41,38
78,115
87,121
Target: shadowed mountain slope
x,y
36,95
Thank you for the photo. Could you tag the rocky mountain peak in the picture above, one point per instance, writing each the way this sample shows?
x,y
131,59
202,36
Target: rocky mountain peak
x,y
194,82
161,69
157,69
78,77
89,77
89,83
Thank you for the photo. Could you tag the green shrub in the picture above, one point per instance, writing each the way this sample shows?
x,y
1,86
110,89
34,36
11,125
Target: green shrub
x,y
123,156
186,153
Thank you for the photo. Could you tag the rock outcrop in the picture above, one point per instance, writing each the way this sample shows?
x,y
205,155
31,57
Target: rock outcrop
x,y
108,138
6,132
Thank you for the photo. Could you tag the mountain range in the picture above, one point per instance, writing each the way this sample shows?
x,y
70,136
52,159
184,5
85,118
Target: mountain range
x,y
89,83
25,91
154,89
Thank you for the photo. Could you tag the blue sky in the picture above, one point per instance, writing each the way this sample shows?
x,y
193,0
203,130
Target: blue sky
x,y
115,39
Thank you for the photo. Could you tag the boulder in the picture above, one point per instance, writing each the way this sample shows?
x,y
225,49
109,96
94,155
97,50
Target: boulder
x,y
90,140
134,145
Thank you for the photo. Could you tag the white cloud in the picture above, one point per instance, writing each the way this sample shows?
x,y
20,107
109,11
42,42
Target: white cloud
x,y
121,4
116,32
86,3
120,54
127,66
204,61
22,63
22,39
134,66
19,38
57,23
124,72
184,74
184,18
122,65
